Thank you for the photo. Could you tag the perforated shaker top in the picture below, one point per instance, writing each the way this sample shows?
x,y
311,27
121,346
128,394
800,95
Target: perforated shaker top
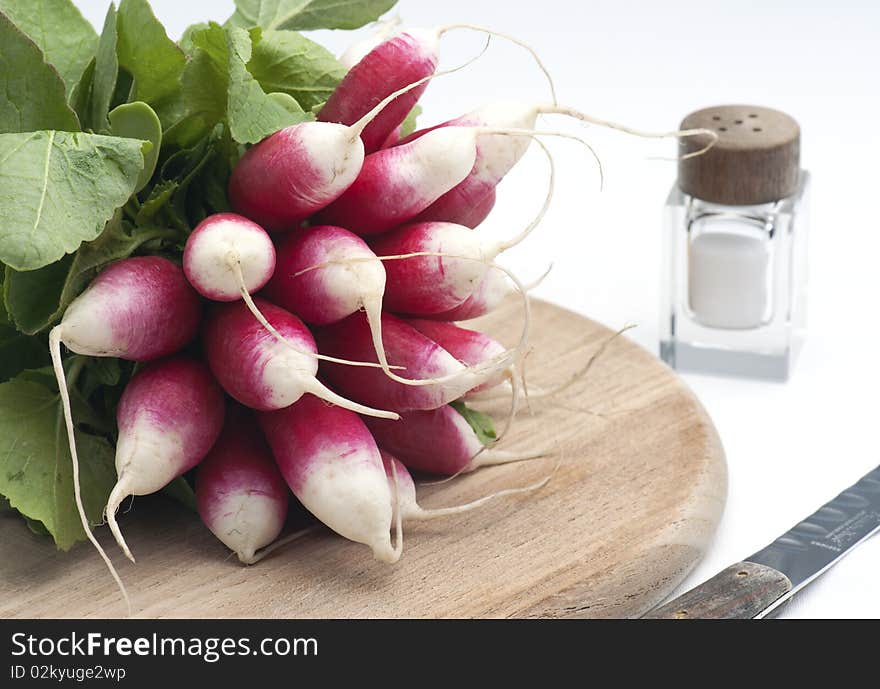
x,y
756,159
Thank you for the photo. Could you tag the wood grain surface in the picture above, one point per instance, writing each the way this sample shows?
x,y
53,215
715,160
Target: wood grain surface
x,y
636,498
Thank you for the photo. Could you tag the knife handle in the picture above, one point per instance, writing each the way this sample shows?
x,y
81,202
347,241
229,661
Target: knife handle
x,y
742,591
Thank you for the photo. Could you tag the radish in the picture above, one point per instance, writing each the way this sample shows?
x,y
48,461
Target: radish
x,y
469,202
437,377
439,441
297,171
349,278
493,289
406,57
476,350
357,51
332,464
169,417
411,511
227,257
396,184
256,369
241,496
427,282
393,138
137,309
470,347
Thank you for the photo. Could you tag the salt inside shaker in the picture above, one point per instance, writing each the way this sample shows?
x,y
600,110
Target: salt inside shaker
x,y
735,247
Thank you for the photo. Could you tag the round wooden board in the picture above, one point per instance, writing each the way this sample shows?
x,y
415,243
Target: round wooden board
x,y
631,508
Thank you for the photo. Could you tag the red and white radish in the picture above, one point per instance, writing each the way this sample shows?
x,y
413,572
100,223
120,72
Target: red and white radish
x,y
396,184
241,496
258,370
359,50
404,58
169,417
493,289
228,256
470,347
440,377
445,265
470,201
348,276
332,464
137,309
410,509
488,296
439,441
289,176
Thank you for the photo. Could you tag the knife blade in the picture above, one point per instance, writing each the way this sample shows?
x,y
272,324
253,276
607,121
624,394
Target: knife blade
x,y
757,586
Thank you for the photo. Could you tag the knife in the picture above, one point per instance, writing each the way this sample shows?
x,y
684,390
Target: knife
x,y
755,587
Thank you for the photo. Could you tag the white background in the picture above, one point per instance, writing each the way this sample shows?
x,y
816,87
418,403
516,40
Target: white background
x,y
790,447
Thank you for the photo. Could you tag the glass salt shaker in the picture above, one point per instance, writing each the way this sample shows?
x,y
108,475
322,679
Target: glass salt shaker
x,y
735,247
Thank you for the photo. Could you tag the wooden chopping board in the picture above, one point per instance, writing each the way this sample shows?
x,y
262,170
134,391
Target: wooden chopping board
x,y
630,510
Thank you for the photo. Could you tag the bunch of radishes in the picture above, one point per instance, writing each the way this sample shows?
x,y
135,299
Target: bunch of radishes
x,y
372,255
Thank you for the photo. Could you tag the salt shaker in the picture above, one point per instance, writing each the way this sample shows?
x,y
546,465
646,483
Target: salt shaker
x,y
735,247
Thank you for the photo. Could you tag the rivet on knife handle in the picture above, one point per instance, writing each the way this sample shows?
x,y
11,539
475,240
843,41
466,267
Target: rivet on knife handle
x,y
741,591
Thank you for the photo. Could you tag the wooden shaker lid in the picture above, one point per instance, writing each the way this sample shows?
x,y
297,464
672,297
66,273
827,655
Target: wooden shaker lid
x,y
755,160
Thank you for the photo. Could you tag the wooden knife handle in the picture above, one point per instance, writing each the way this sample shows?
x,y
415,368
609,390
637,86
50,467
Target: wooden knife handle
x,y
740,592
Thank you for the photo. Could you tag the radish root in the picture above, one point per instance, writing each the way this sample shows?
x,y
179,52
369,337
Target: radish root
x,y
589,119
117,495
565,385
279,543
433,513
318,389
507,37
55,337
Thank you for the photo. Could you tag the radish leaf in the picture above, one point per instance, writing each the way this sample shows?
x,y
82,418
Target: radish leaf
x,y
19,352
32,93
67,40
481,423
288,62
103,84
35,466
145,50
219,88
59,189
139,121
306,15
